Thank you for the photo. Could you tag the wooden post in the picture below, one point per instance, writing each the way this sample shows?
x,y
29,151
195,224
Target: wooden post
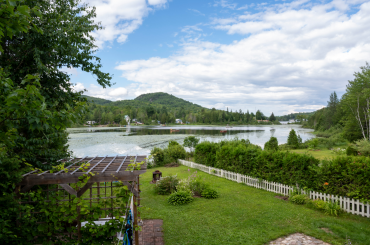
x,y
98,187
138,190
135,217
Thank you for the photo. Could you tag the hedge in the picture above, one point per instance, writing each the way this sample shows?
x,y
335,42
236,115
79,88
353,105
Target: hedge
x,y
345,176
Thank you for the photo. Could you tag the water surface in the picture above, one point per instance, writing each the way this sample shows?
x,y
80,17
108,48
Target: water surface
x,y
141,139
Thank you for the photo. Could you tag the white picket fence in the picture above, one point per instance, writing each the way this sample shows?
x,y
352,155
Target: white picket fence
x,y
347,204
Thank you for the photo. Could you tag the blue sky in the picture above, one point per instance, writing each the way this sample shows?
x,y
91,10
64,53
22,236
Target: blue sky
x,y
276,56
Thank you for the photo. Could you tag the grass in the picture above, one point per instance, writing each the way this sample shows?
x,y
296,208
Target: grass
x,y
243,215
320,154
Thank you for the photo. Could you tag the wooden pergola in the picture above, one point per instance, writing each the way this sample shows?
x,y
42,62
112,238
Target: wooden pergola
x,y
106,170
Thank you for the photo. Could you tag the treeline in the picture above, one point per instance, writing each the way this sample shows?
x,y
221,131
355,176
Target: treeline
x,y
149,114
300,116
165,108
348,116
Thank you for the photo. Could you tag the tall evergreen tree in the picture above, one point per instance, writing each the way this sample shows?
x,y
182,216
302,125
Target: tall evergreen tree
x,y
272,117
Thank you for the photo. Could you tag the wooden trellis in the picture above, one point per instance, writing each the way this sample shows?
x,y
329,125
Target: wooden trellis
x,y
100,186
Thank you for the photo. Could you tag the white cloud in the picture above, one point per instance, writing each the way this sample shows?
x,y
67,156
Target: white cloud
x,y
78,87
70,71
292,57
120,18
225,4
197,12
157,2
113,94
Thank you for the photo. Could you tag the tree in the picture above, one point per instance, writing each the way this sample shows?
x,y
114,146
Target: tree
x,y
356,100
150,111
191,142
259,115
65,41
37,102
272,144
272,117
293,139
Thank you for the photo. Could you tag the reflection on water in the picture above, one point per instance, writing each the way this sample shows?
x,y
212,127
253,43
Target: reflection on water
x,y
141,139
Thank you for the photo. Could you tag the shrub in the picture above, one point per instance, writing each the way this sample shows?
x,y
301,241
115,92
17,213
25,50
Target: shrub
x,y
332,208
350,151
205,153
298,199
363,147
209,193
319,204
180,198
158,156
166,185
197,185
344,176
173,153
172,143
184,185
312,143
339,151
272,144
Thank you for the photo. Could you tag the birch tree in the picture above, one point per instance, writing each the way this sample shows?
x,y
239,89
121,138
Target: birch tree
x,y
357,100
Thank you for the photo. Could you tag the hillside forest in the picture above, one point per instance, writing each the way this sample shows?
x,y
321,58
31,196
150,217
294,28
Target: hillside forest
x,y
165,108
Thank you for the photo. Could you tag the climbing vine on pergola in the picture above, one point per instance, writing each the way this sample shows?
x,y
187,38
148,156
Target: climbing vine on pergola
x,y
65,202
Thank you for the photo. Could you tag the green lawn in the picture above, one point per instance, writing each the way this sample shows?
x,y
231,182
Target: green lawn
x,y
243,215
320,154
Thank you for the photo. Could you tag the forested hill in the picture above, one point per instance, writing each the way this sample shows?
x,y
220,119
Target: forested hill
x,y
166,108
166,99
157,100
298,115
97,101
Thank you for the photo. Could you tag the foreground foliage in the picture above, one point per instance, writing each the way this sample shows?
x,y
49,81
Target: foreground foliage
x,y
37,101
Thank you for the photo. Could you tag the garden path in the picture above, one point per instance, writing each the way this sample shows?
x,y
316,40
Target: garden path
x,y
298,239
151,233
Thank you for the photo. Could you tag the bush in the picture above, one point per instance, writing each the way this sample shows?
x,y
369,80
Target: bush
x,y
331,208
197,185
363,147
166,185
173,153
312,143
205,153
350,151
209,193
319,204
272,144
180,198
298,199
158,156
172,143
344,176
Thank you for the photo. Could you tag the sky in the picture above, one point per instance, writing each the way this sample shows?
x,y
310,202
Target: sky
x,y
275,56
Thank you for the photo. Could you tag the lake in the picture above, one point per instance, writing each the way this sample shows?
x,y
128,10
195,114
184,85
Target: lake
x,y
141,139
